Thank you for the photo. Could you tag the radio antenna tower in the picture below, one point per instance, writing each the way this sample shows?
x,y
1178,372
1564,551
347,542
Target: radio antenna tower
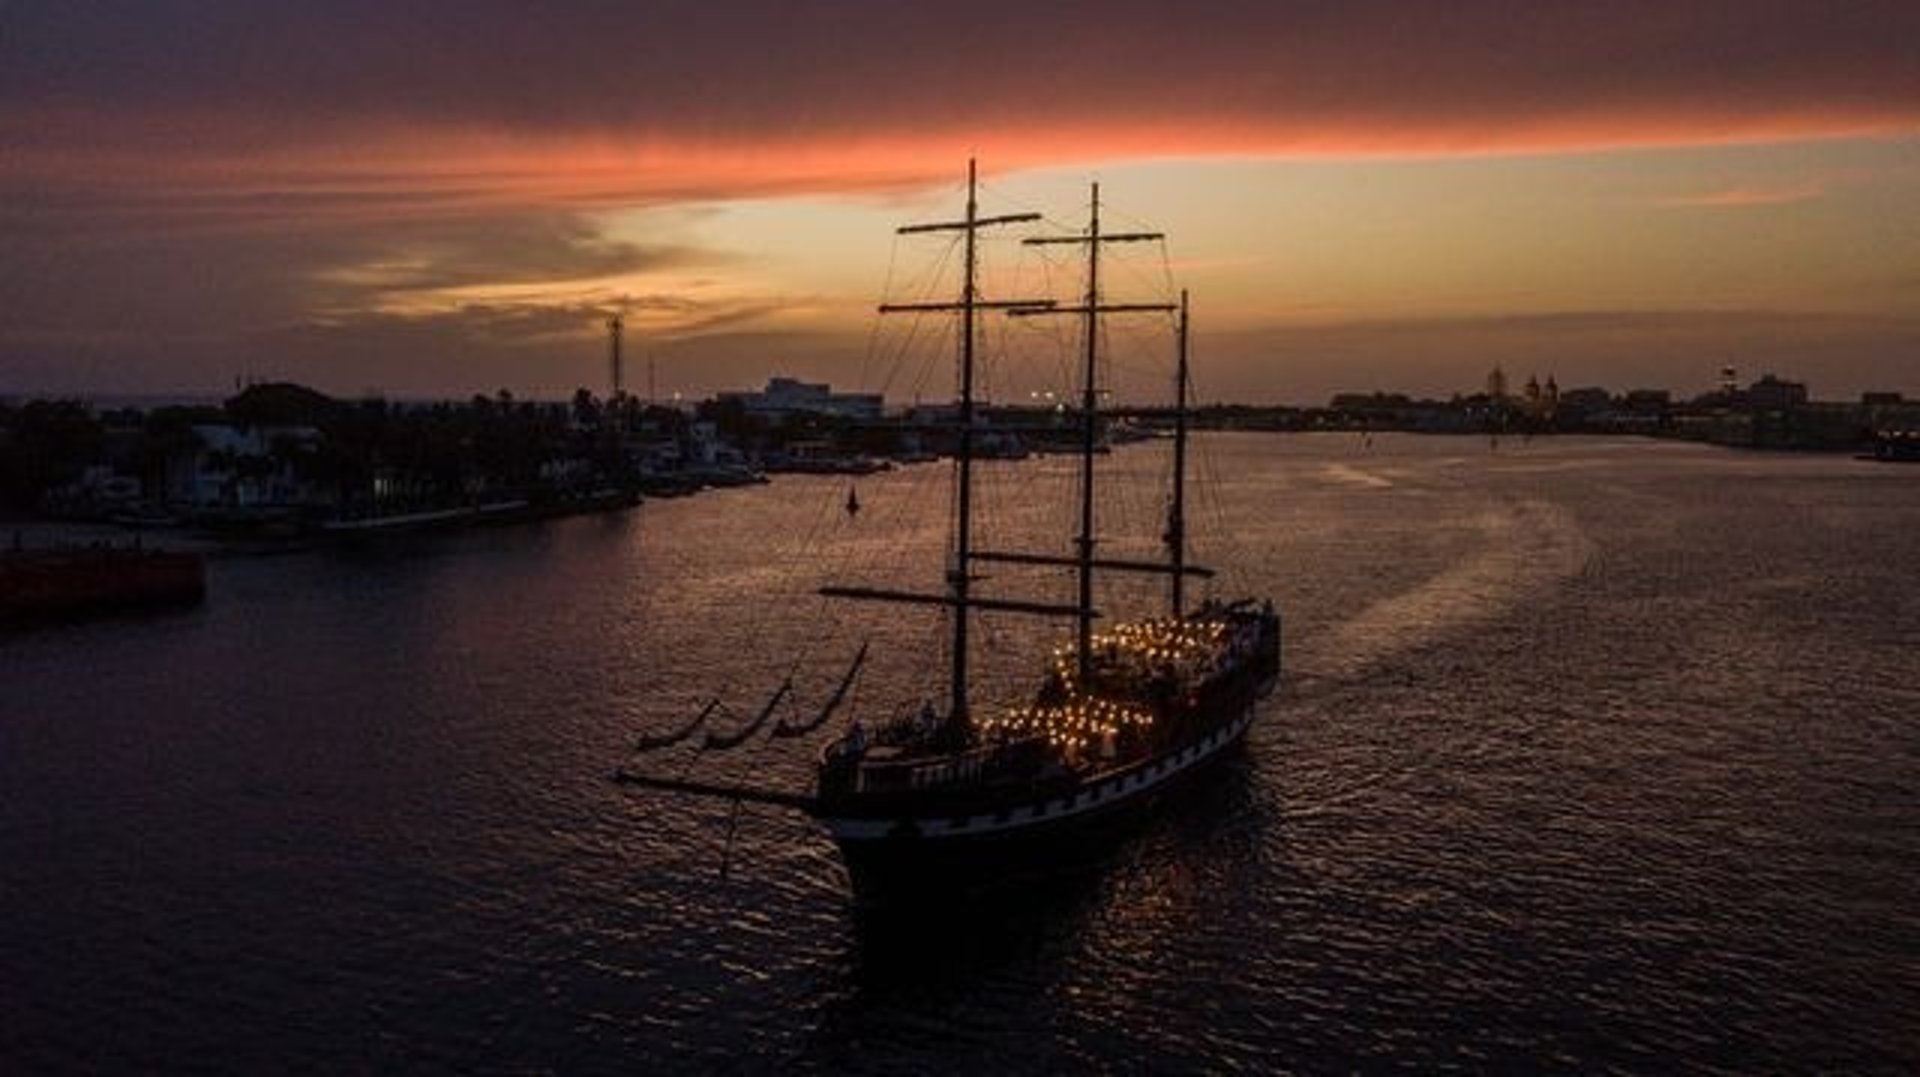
x,y
615,325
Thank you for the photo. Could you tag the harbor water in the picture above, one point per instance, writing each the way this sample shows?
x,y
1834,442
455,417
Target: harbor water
x,y
1592,754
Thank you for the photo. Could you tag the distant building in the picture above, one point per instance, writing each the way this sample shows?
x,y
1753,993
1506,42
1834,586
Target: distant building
x,y
1540,403
239,468
1775,394
789,396
1585,401
1648,401
1497,386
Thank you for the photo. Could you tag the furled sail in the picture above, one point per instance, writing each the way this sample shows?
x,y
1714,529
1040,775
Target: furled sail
x,y
794,729
722,741
655,741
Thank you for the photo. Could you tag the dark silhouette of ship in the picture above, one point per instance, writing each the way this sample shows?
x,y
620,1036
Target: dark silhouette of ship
x,y
1120,715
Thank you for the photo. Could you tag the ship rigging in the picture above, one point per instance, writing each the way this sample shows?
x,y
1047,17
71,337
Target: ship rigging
x,y
1119,715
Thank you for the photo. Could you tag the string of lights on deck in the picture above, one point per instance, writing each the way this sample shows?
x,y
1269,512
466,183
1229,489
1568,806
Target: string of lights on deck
x,y
1132,651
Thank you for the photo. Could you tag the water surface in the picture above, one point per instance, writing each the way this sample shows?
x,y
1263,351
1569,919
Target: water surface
x,y
1595,754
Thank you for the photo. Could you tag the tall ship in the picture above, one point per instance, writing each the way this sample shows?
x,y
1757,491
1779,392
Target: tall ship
x,y
1120,713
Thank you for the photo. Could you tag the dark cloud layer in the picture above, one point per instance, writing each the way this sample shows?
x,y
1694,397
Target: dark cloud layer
x,y
776,69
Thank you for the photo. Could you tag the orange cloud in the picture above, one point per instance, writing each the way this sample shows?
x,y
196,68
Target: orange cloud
x,y
354,175
1742,197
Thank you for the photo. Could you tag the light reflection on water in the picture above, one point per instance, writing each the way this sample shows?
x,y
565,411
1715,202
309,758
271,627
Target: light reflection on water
x,y
1595,753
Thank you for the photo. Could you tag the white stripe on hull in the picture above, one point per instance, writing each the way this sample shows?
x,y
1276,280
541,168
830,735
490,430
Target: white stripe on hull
x,y
1089,798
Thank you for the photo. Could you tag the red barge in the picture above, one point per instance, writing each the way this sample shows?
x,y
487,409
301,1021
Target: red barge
x,y
45,585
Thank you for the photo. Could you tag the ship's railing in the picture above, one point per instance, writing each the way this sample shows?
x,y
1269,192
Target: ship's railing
x,y
876,776
876,773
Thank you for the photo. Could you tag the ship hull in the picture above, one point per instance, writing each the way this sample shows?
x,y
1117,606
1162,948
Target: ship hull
x,y
890,855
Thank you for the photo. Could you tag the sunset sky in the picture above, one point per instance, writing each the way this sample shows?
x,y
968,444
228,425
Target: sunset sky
x,y
361,195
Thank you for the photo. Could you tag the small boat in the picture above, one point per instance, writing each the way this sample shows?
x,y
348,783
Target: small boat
x,y
1896,446
145,516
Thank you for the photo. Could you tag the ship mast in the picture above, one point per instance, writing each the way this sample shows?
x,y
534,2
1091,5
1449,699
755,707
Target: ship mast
x,y
959,593
1177,511
1091,310
959,576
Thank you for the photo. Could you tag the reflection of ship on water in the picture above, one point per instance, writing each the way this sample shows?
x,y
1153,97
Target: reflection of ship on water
x,y
1121,714
1186,856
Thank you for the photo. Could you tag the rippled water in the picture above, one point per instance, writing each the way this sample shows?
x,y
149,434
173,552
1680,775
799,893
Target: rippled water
x,y
1597,754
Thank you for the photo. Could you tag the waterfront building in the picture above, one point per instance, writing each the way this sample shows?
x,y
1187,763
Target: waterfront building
x,y
784,397
240,467
1584,402
1776,394
1541,402
1648,401
1497,386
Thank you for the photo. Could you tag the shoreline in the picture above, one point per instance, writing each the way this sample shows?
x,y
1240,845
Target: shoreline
x,y
45,533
